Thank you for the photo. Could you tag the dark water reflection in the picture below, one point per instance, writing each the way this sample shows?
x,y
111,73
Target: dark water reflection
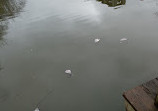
x,y
51,36
1,68
9,9
3,28
113,3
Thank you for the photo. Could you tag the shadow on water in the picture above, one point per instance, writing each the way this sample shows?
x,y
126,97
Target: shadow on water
x,y
113,3
9,9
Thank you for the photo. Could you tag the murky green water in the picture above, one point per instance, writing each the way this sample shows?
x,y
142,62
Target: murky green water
x,y
40,39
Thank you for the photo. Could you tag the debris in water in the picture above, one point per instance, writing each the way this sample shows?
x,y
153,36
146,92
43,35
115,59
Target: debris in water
x,y
123,39
96,40
117,7
37,109
69,73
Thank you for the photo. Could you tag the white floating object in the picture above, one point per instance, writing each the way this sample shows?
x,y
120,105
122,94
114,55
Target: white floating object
x,y
96,40
37,109
68,71
123,39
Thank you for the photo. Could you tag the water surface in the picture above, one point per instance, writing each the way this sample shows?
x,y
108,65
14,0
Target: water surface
x,y
40,39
